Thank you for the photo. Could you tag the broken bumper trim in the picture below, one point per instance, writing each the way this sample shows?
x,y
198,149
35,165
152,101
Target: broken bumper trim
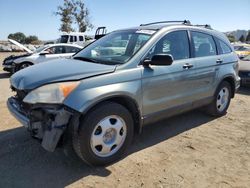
x,y
14,109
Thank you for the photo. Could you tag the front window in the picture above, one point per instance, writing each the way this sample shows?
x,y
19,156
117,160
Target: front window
x,y
115,48
175,43
56,50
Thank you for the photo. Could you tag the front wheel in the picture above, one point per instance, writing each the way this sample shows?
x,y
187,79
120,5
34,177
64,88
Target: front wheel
x,y
221,100
104,134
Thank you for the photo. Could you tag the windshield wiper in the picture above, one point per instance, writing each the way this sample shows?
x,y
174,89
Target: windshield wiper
x,y
86,59
97,61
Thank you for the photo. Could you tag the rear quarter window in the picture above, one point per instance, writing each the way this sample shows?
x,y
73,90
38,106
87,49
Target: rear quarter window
x,y
223,48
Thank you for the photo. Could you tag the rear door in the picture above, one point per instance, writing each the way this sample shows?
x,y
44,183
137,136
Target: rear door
x,y
206,61
169,87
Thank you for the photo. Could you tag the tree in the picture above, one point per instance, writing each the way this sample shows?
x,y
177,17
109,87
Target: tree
x,y
19,37
32,39
74,11
65,11
231,38
248,36
81,16
242,38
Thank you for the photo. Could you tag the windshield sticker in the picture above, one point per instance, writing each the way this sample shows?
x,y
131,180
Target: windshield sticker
x,y
149,32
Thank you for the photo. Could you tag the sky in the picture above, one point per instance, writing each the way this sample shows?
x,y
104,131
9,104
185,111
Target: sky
x,y
36,17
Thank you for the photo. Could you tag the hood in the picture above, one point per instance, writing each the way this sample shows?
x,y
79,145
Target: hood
x,y
11,58
20,45
57,71
244,66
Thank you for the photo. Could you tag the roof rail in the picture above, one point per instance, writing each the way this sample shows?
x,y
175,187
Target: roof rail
x,y
187,22
207,26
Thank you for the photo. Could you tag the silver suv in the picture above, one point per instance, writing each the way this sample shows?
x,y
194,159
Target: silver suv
x,y
96,101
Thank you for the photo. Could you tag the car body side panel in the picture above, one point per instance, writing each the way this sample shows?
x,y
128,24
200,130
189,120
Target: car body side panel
x,y
165,87
96,89
207,70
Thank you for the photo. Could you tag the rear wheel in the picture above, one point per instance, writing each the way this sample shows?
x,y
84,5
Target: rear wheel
x,y
104,134
221,100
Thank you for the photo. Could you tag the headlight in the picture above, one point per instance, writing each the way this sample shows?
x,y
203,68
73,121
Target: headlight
x,y
52,93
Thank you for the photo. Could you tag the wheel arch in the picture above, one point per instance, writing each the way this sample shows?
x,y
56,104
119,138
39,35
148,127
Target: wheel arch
x,y
232,83
129,103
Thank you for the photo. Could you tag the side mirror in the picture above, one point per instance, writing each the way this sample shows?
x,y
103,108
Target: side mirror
x,y
159,60
44,53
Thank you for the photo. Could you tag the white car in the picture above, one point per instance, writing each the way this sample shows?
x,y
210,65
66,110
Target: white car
x,y
48,52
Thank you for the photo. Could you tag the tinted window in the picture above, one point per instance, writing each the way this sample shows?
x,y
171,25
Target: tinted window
x,y
75,38
70,49
175,43
71,39
64,39
204,44
80,38
224,48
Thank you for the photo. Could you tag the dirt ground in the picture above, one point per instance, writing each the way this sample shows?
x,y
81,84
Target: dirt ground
x,y
190,150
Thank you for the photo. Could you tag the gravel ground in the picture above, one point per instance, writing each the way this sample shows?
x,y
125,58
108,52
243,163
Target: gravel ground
x,y
190,150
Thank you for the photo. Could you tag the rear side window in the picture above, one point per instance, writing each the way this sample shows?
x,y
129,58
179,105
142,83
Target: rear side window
x,y
71,49
71,39
204,44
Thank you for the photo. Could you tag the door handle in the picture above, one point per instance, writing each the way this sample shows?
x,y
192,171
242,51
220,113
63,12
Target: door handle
x,y
219,61
187,66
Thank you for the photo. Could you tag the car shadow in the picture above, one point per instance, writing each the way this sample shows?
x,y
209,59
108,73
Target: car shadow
x,y
25,164
4,75
166,129
244,90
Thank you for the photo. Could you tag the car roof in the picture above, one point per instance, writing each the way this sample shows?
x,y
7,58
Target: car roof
x,y
64,44
202,28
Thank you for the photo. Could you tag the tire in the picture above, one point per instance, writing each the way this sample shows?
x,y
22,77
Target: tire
x,y
221,100
104,134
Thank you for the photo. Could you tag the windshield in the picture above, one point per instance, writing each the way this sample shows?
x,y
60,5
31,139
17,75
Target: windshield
x,y
64,38
38,50
115,48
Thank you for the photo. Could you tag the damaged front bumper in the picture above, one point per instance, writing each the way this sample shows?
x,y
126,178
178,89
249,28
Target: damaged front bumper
x,y
45,122
8,68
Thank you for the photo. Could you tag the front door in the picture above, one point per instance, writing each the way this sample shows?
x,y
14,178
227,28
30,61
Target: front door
x,y
169,87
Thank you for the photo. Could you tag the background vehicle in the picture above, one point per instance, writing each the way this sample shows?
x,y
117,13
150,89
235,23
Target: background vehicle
x,y
73,38
243,51
96,101
42,54
244,71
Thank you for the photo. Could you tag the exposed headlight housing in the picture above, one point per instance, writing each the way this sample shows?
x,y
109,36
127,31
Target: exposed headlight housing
x,y
51,93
